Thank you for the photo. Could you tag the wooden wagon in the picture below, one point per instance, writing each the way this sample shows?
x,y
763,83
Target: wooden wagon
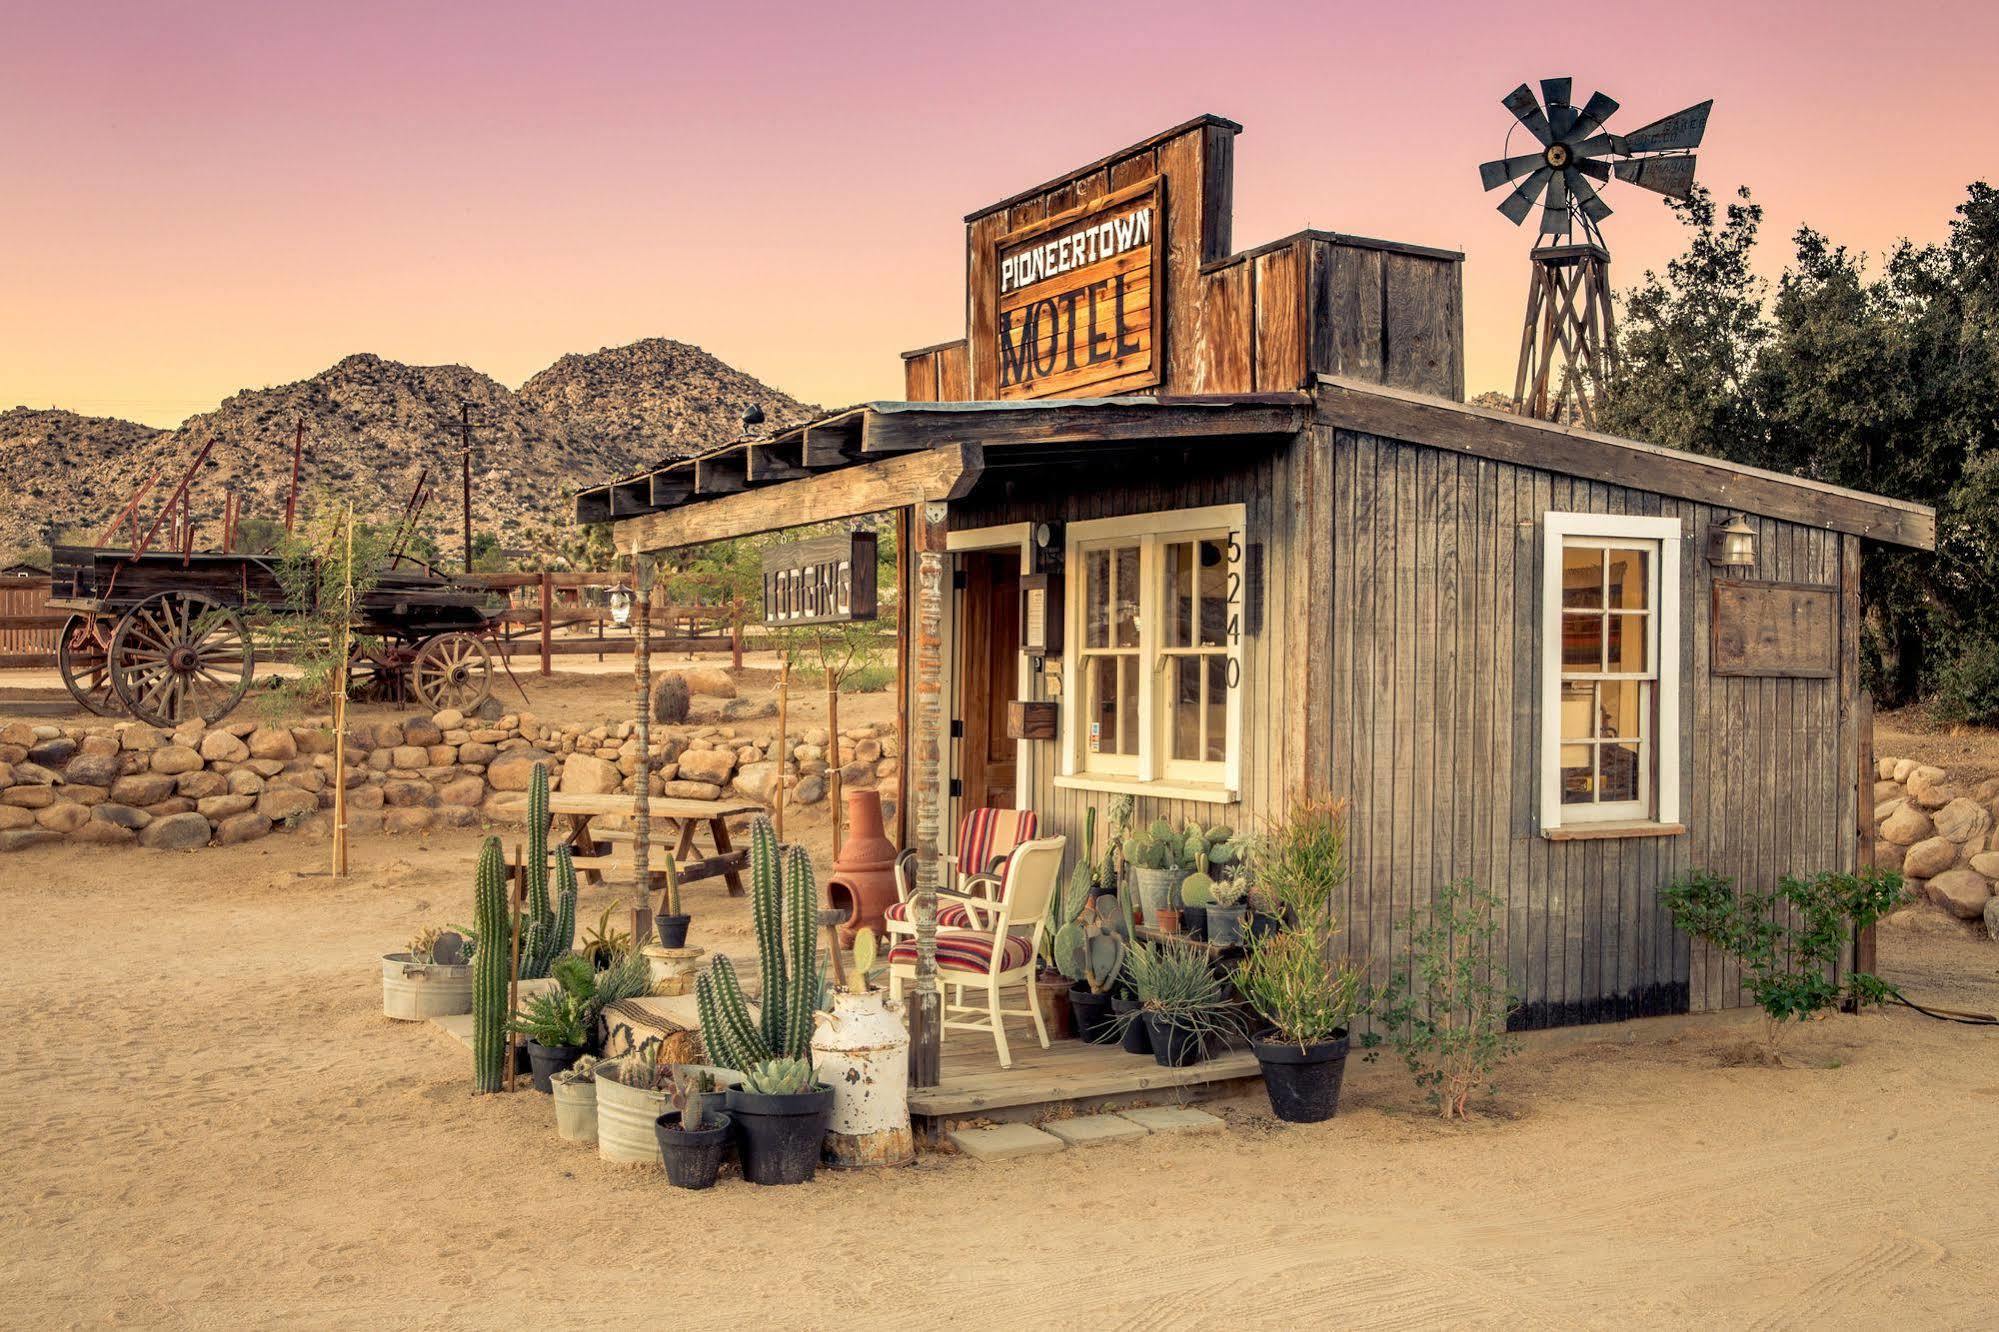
x,y
167,635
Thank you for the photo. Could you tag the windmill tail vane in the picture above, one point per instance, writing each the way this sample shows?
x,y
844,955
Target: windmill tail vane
x,y
1576,153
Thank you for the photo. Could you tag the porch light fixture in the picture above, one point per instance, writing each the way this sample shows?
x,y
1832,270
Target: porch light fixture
x,y
1733,544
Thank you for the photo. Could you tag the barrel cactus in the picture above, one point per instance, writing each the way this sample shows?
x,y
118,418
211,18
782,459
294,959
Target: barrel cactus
x,y
785,908
489,969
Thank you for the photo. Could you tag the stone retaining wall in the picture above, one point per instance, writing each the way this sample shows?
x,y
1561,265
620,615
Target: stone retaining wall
x,y
126,782
1940,834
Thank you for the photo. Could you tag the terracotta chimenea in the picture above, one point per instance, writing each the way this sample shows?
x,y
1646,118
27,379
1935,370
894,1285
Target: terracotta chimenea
x,y
863,879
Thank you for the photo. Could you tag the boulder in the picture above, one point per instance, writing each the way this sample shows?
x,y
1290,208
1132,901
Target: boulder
x,y
1906,826
857,774
142,788
1929,857
140,738
308,740
53,752
584,775
65,816
97,744
1961,820
97,795
175,759
123,816
278,803
410,757
244,782
1986,863
708,681
408,795
679,790
1928,789
447,720
1961,892
20,839
272,743
1902,769
104,834
220,746
34,774
407,819
454,816
506,807
511,771
365,797
465,792
12,817
810,790
28,797
93,769
707,765
473,752
422,731
176,832
226,806
441,756
244,827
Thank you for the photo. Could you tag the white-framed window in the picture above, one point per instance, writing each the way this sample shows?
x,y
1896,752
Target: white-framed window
x,y
1610,671
1153,669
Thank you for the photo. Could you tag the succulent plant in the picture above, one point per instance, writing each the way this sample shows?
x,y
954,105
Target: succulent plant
x,y
583,1070
691,1089
490,970
549,926
1230,892
784,907
778,1077
864,960
1090,953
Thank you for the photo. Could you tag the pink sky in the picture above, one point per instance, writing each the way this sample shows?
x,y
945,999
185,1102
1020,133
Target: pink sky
x,y
206,197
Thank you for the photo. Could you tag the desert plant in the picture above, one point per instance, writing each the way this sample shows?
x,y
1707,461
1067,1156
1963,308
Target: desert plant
x,y
605,945
490,969
583,1070
1089,952
784,909
1293,981
554,1017
427,942
864,961
642,1069
1174,980
549,926
691,1089
1789,941
1230,892
1300,863
670,701
1069,899
1448,1018
778,1077
628,977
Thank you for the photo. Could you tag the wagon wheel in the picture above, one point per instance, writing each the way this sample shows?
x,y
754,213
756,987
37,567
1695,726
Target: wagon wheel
x,y
377,671
81,654
452,671
178,655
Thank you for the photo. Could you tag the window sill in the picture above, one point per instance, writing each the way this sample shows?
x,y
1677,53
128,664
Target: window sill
x,y
1590,832
1201,792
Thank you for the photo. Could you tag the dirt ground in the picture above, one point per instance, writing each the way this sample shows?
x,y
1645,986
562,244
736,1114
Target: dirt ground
x,y
210,1123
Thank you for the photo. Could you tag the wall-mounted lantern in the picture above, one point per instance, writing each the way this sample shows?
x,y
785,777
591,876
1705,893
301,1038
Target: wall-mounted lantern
x,y
1733,544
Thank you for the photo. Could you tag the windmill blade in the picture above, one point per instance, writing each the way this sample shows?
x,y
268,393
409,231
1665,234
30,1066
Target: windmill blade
x,y
1598,144
1587,199
1518,204
1594,170
1682,129
1670,176
1528,112
1597,110
1555,209
1495,174
1555,92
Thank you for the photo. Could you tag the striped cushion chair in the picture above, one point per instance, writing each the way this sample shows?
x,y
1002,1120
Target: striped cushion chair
x,y
986,837
997,950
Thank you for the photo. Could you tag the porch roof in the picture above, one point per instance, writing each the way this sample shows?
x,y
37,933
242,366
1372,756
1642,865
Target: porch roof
x,y
881,455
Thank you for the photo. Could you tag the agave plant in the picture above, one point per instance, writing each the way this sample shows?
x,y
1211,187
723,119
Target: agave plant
x,y
1174,979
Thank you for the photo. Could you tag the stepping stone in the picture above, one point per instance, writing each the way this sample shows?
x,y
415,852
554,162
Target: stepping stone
x,y
1002,1141
1090,1130
458,1025
1173,1119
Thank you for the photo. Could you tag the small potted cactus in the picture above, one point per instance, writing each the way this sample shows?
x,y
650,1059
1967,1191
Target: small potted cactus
x,y
556,1022
782,1110
574,1090
694,1133
1090,952
1226,913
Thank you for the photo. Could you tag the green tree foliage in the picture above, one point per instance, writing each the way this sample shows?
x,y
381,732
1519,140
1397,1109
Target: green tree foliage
x,y
1881,381
324,577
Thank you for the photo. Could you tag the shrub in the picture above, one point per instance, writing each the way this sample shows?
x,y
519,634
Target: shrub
x,y
1448,1019
669,699
1968,685
1788,942
1296,977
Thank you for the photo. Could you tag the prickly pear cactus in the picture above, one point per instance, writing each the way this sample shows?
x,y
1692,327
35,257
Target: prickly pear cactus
x,y
489,969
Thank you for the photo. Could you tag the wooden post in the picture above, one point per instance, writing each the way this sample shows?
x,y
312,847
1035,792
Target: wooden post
x,y
642,781
833,750
902,594
783,736
736,639
547,614
340,706
923,772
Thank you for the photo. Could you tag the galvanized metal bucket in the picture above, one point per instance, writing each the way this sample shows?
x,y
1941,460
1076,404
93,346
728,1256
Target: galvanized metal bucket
x,y
625,1119
413,991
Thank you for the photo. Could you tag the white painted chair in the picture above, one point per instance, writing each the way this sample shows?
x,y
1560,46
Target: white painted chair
x,y
997,950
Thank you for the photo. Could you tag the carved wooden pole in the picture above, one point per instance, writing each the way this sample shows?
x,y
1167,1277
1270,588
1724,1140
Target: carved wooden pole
x,y
925,775
642,780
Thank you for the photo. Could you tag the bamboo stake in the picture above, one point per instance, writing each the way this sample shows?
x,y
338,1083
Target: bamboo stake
x,y
783,735
833,750
517,892
340,705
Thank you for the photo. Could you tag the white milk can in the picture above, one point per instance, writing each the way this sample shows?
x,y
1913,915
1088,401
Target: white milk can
x,y
861,1051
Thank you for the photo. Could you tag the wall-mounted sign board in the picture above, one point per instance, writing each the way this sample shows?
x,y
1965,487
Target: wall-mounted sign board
x,y
827,580
1776,629
1081,298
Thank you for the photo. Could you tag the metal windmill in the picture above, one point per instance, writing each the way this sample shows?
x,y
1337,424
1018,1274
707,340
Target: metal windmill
x,y
1569,320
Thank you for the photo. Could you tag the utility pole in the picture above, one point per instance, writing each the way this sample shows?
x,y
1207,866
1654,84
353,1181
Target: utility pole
x,y
465,458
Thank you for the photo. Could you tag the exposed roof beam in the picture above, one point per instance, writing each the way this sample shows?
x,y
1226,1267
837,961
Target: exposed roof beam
x,y
719,473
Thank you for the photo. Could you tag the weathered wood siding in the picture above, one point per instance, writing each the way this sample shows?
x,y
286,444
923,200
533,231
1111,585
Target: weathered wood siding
x,y
1432,672
1266,479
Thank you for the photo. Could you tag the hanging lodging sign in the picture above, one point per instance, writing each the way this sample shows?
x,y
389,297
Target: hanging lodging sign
x,y
827,580
1080,297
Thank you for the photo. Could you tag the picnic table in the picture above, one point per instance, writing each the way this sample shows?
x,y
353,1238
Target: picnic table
x,y
681,820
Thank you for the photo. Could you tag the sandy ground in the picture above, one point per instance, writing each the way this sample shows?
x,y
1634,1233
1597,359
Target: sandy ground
x,y
210,1124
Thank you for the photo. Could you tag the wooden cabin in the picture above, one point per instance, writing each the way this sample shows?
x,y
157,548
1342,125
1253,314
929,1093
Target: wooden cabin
x,y
1225,520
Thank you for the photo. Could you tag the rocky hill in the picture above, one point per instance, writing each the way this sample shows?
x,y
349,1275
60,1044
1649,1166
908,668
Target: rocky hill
x,y
371,428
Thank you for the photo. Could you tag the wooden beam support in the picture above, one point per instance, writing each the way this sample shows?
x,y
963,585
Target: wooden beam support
x,y
925,762
631,497
775,461
593,505
720,473
892,430
671,486
1396,414
831,443
935,474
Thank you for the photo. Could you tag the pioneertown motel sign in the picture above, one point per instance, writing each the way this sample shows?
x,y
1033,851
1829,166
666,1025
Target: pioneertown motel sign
x,y
1079,297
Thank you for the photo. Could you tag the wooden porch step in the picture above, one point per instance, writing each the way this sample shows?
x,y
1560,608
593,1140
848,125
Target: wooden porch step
x,y
1066,1071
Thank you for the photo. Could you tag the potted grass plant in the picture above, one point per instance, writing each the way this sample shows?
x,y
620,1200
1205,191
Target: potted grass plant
x,y
1294,975
1184,1006
693,1135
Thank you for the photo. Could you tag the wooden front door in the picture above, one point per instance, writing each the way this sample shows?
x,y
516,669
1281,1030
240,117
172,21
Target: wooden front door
x,y
988,647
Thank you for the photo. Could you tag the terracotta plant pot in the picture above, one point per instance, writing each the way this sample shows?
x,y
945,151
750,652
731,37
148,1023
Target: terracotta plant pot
x,y
1169,919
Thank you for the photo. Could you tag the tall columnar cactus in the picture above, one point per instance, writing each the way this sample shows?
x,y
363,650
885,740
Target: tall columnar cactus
x,y
785,906
543,938
489,969
564,937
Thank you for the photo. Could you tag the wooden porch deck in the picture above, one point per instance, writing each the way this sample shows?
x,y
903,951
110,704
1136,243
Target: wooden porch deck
x,y
1069,1076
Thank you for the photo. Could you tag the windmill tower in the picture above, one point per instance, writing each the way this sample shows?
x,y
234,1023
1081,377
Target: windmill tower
x,y
1567,341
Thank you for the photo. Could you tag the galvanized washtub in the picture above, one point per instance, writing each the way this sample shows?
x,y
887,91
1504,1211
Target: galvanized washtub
x,y
413,991
625,1118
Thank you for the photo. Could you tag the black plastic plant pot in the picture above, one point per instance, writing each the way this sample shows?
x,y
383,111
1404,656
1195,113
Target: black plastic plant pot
x,y
693,1157
1173,1045
780,1136
1225,924
672,930
1095,1022
1133,1036
1259,925
1303,1083
1194,921
545,1061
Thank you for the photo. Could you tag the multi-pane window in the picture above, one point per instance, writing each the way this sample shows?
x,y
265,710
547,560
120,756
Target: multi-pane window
x,y
1610,666
1155,665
